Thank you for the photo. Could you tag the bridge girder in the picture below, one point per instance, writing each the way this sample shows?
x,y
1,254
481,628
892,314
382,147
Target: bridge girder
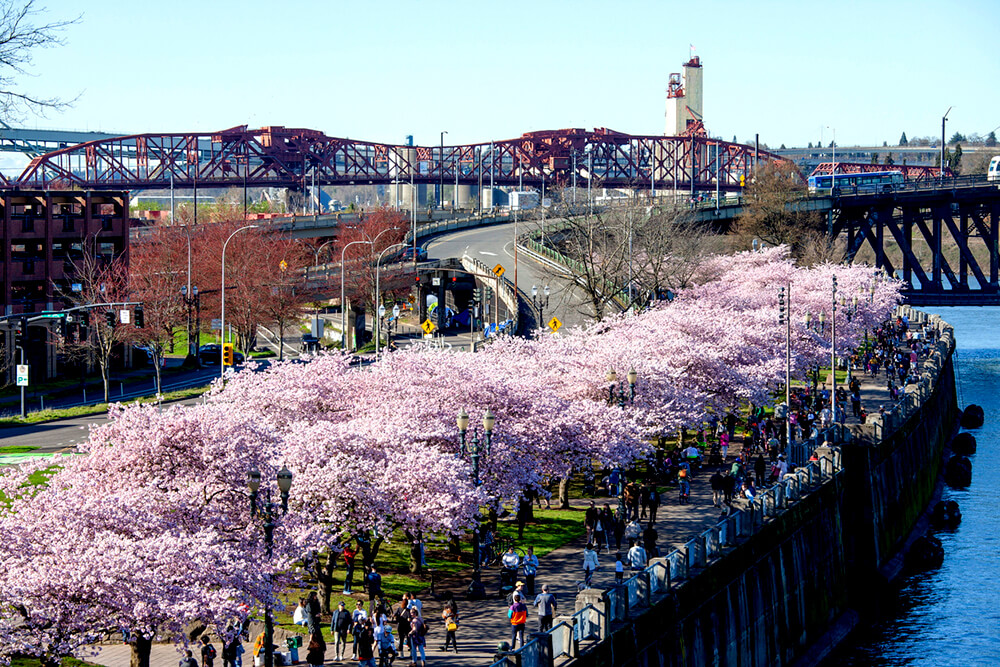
x,y
287,157
947,239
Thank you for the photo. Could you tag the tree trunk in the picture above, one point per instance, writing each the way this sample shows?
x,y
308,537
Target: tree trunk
x,y
564,493
141,647
454,546
156,370
105,377
323,570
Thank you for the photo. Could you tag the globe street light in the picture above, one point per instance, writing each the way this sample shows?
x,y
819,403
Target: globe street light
x,y
540,303
475,449
613,384
222,317
267,512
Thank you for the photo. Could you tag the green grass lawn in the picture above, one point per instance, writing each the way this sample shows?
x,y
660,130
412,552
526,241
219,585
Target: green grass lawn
x,y
17,449
83,410
26,661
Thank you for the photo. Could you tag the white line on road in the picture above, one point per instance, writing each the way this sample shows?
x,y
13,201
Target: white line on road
x,y
487,252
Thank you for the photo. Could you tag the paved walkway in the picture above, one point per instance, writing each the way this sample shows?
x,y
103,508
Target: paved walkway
x,y
484,623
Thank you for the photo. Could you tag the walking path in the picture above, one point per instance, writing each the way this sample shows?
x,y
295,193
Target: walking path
x,y
484,623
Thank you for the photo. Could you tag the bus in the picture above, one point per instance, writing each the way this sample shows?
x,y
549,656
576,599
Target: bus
x,y
872,181
993,174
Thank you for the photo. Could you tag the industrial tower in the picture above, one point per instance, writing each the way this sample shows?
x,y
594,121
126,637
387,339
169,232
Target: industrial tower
x,y
684,100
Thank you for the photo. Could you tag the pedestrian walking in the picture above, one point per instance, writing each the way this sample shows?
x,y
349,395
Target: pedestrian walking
x,y
401,614
373,584
188,660
363,642
518,615
590,563
654,502
418,639
358,617
717,482
229,654
529,567
449,617
207,652
546,605
340,624
636,556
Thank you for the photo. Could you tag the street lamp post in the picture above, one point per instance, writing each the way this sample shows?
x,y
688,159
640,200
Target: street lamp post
x,y
785,318
343,296
268,514
222,317
316,266
540,302
833,172
441,170
475,449
833,354
190,299
944,119
378,295
622,398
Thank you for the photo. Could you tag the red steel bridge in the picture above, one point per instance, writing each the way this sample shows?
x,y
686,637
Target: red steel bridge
x,y
296,158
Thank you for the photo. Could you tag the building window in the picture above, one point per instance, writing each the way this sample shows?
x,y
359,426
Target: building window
x,y
68,225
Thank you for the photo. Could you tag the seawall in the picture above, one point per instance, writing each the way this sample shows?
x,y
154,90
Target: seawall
x,y
789,579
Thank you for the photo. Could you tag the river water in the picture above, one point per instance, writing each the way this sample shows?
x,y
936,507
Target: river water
x,y
951,616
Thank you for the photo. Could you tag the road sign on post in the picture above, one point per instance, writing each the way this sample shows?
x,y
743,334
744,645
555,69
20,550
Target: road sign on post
x,y
428,327
125,316
22,375
498,270
554,324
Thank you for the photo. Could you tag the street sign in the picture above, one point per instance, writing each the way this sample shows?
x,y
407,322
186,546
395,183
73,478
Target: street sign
x,y
216,324
435,281
428,326
381,311
125,316
395,311
554,324
498,270
22,375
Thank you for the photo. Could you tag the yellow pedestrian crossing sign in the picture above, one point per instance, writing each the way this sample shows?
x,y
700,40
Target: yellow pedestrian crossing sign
x,y
428,326
498,270
554,324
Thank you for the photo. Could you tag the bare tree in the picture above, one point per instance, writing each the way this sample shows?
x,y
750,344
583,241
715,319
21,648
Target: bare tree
x,y
770,212
668,246
101,282
20,36
596,248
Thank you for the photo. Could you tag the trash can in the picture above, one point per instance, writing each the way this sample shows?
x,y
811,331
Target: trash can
x,y
293,643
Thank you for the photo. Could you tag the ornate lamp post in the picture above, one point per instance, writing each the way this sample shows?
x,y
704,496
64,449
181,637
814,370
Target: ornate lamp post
x,y
785,318
613,384
475,449
267,514
540,302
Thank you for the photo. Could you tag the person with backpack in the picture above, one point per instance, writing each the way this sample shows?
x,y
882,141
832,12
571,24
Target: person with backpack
x,y
207,652
418,639
518,615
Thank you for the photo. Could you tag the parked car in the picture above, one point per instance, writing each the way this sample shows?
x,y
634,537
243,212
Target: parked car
x,y
212,354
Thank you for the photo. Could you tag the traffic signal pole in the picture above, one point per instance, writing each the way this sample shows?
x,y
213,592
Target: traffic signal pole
x,y
24,407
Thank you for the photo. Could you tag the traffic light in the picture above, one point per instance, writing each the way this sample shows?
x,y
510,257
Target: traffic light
x,y
109,317
742,180
227,354
85,318
21,332
140,317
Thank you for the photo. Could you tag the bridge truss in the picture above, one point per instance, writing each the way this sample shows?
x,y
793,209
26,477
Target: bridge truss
x,y
296,158
947,239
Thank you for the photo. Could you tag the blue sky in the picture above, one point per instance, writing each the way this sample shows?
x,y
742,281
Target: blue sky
x,y
380,70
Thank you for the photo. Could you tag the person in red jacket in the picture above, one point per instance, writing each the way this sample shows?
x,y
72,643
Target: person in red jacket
x,y
348,554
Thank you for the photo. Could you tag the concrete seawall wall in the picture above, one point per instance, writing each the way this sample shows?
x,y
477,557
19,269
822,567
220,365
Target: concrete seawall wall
x,y
792,591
